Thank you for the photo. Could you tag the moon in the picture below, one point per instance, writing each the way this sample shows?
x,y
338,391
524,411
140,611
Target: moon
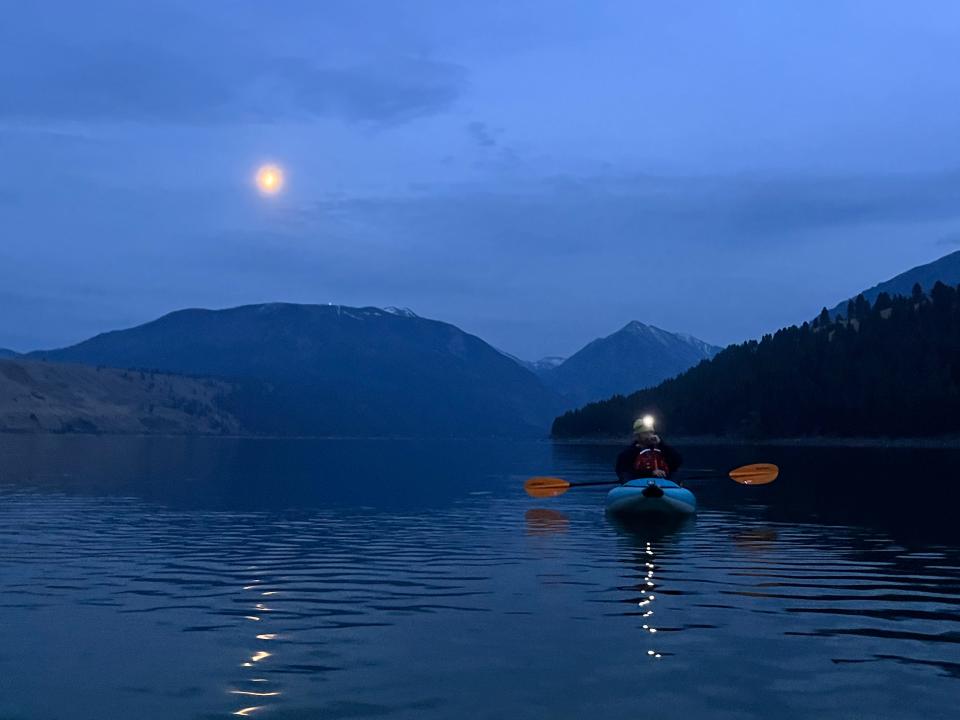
x,y
269,179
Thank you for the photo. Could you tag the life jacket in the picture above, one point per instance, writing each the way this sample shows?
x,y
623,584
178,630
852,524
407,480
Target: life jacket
x,y
648,461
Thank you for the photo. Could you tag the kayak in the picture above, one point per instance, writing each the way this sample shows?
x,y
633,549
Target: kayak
x,y
651,496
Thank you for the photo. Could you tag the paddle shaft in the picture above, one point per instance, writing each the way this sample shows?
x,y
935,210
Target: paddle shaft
x,y
599,482
621,482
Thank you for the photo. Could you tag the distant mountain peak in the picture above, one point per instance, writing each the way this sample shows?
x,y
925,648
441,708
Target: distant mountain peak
x,y
662,336
636,356
638,326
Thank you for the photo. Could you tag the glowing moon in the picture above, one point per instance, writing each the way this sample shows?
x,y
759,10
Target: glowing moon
x,y
270,179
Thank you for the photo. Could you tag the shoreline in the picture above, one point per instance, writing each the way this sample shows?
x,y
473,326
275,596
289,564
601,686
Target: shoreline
x,y
929,443
925,443
254,436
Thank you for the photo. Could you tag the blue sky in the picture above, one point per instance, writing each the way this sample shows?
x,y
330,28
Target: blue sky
x,y
538,173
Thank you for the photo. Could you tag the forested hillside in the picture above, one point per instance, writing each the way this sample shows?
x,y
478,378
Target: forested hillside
x,y
887,369
945,269
45,397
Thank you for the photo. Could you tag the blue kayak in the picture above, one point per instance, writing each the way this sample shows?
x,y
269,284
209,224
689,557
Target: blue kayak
x,y
651,496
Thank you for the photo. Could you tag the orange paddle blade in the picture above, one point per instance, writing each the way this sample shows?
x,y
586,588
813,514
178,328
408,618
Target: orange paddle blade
x,y
757,474
546,487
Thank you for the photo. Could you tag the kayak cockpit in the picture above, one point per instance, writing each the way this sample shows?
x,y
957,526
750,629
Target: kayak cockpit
x,y
653,496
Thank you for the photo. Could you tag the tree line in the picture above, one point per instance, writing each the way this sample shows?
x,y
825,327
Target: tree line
x,y
887,369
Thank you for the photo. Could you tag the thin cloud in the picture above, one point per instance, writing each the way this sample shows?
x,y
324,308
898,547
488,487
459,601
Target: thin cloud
x,y
587,214
151,86
950,239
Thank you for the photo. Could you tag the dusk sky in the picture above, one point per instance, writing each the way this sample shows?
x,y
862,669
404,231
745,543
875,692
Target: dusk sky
x,y
537,173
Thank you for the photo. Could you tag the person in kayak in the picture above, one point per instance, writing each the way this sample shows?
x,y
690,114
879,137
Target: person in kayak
x,y
648,456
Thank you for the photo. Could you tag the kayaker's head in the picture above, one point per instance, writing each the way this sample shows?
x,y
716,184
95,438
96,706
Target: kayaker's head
x,y
644,432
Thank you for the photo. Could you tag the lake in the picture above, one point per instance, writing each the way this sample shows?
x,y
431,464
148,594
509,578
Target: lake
x,y
207,578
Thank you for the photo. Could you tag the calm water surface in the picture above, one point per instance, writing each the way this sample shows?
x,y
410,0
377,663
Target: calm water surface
x,y
204,578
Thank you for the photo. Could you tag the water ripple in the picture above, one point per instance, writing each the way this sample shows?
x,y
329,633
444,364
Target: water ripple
x,y
267,607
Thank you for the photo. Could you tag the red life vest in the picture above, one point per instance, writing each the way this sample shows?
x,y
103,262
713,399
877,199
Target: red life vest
x,y
648,461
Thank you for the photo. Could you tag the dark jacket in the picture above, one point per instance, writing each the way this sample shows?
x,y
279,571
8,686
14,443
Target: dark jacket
x,y
627,458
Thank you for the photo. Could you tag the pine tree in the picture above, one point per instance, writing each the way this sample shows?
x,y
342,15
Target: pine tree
x,y
917,294
883,302
943,296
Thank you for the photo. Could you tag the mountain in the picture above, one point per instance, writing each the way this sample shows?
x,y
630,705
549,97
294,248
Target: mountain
x,y
893,369
5,353
636,356
52,397
336,370
946,270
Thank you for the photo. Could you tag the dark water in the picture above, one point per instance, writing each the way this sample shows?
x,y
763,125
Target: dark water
x,y
165,578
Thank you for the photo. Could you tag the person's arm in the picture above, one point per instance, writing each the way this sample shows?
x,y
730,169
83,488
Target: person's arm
x,y
674,459
624,466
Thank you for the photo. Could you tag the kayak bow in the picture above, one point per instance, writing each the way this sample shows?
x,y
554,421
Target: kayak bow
x,y
653,496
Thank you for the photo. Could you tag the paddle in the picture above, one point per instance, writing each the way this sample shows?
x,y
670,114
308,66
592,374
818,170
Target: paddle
x,y
548,487
757,474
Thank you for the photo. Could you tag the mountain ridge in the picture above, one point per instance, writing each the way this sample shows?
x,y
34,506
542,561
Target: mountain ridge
x,y
945,269
335,369
368,371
